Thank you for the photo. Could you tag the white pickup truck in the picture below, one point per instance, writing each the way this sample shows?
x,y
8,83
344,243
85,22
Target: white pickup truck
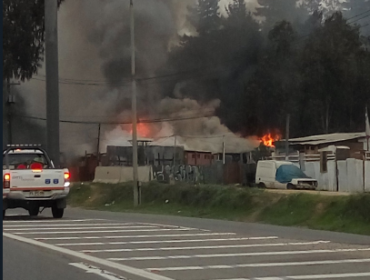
x,y
31,181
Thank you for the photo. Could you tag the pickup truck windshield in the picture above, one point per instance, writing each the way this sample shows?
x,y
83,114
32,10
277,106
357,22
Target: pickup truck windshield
x,y
25,161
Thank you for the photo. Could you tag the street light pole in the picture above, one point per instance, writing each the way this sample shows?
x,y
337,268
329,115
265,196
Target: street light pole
x,y
52,80
134,105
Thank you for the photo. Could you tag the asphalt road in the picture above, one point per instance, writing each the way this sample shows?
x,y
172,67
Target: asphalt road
x,y
92,245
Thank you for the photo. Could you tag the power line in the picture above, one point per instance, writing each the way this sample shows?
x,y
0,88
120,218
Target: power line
x,y
147,121
360,14
366,16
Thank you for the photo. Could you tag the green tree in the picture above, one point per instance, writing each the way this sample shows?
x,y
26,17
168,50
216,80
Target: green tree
x,y
237,13
205,16
324,6
328,60
273,11
23,37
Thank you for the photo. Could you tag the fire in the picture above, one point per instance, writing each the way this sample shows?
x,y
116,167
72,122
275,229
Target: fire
x,y
268,140
143,130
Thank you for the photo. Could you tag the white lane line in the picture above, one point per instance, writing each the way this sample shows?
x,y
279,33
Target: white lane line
x,y
135,236
103,262
164,225
318,276
52,221
239,279
269,278
97,271
101,231
68,225
254,265
207,247
325,276
77,228
167,241
279,253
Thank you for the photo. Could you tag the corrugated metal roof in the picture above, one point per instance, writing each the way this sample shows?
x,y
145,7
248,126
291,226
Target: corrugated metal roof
x,y
325,138
170,141
206,145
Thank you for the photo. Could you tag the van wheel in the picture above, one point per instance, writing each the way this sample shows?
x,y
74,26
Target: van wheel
x,y
262,186
57,212
290,187
34,211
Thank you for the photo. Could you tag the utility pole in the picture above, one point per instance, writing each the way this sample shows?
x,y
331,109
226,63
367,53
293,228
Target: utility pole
x,y
367,129
134,113
223,150
174,153
98,145
52,80
287,138
10,101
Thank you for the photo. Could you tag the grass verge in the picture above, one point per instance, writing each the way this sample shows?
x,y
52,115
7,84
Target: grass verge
x,y
336,213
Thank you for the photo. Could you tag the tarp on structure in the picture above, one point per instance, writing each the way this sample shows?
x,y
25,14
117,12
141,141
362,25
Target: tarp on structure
x,y
286,173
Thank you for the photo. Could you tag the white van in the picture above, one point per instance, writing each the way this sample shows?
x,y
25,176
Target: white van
x,y
282,175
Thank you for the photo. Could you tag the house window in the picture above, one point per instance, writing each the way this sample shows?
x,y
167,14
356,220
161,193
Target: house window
x,y
198,155
193,156
324,162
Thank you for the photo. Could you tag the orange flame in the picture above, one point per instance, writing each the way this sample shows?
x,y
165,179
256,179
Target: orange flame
x,y
268,140
143,130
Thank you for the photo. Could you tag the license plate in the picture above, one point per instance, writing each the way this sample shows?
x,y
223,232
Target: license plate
x,y
36,193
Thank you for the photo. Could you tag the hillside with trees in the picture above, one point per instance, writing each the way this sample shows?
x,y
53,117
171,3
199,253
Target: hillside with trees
x,y
317,69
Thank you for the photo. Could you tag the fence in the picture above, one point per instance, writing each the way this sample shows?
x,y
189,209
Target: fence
x,y
347,175
217,173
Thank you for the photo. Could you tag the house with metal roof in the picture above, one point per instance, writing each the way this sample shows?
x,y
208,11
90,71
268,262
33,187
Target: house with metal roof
x,y
354,142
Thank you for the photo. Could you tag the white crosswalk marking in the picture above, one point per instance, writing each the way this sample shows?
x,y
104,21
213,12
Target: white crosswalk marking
x,y
328,276
283,264
279,253
168,241
134,236
98,271
65,225
103,231
152,251
38,221
208,247
76,228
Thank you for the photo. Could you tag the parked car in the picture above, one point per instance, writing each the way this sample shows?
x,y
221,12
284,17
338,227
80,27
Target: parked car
x,y
282,175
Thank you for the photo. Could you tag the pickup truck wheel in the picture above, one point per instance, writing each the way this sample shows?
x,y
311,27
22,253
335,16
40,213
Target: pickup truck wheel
x,y
290,187
261,186
34,211
57,212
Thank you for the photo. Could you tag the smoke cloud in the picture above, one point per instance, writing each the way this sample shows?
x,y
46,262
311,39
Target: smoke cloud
x,y
94,66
